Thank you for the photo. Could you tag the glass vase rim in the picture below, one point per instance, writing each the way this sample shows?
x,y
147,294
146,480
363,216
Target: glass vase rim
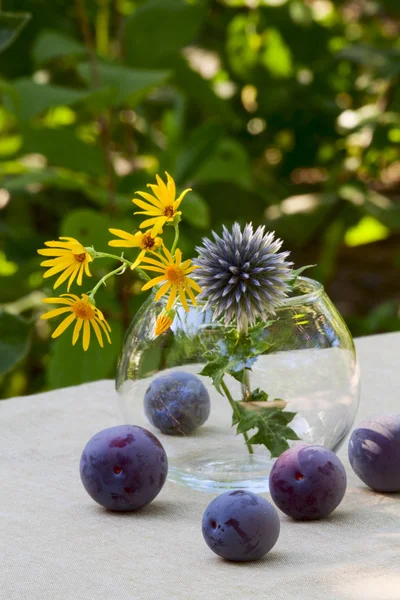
x,y
315,292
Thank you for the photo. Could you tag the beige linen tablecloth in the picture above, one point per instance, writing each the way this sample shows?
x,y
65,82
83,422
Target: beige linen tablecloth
x,y
57,544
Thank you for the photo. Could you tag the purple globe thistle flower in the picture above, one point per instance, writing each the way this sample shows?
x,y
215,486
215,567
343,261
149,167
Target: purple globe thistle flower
x,y
242,275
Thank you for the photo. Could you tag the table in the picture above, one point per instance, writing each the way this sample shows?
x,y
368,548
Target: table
x,y
57,544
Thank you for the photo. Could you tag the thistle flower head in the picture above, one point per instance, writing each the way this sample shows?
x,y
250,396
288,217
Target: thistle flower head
x,y
243,275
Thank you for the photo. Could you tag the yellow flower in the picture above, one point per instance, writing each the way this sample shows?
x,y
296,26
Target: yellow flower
x,y
174,277
85,314
162,207
164,322
146,241
70,257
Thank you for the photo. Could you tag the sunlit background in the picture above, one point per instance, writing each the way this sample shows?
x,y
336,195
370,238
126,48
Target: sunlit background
x,y
281,112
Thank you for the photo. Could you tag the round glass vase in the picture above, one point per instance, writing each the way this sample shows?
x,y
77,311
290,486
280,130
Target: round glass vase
x,y
311,366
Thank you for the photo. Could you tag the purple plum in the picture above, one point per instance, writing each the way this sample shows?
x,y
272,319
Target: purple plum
x,y
374,453
307,482
177,403
240,526
123,467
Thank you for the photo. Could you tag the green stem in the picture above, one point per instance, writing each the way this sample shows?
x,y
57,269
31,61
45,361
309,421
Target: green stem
x,y
125,262
102,27
237,413
174,245
102,281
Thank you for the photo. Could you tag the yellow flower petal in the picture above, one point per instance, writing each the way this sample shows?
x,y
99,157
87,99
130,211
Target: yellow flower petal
x,y
152,283
77,329
150,213
73,275
181,197
154,201
148,207
163,290
169,255
150,222
57,300
66,245
170,185
183,298
55,313
80,274
88,273
193,284
154,262
190,293
59,267
63,325
158,225
48,252
178,257
156,190
103,326
139,260
86,335
97,332
171,298
64,276
156,269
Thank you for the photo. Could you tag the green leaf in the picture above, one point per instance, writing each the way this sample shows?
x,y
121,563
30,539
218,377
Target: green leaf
x,y
258,395
271,424
216,369
89,227
34,98
15,336
63,148
200,92
11,25
51,45
71,365
196,211
297,272
200,145
277,56
129,86
158,29
367,230
229,162
233,354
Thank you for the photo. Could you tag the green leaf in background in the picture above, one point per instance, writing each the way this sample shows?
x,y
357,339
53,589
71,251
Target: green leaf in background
x,y
277,56
200,145
229,162
197,211
367,230
11,24
63,148
158,29
70,365
200,92
51,45
14,340
128,86
89,227
35,98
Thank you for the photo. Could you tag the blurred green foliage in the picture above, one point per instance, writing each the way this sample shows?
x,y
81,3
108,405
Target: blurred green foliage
x,y
283,112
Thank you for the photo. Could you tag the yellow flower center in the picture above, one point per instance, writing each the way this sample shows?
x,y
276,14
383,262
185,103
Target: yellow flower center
x,y
83,310
169,211
147,242
174,274
80,257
